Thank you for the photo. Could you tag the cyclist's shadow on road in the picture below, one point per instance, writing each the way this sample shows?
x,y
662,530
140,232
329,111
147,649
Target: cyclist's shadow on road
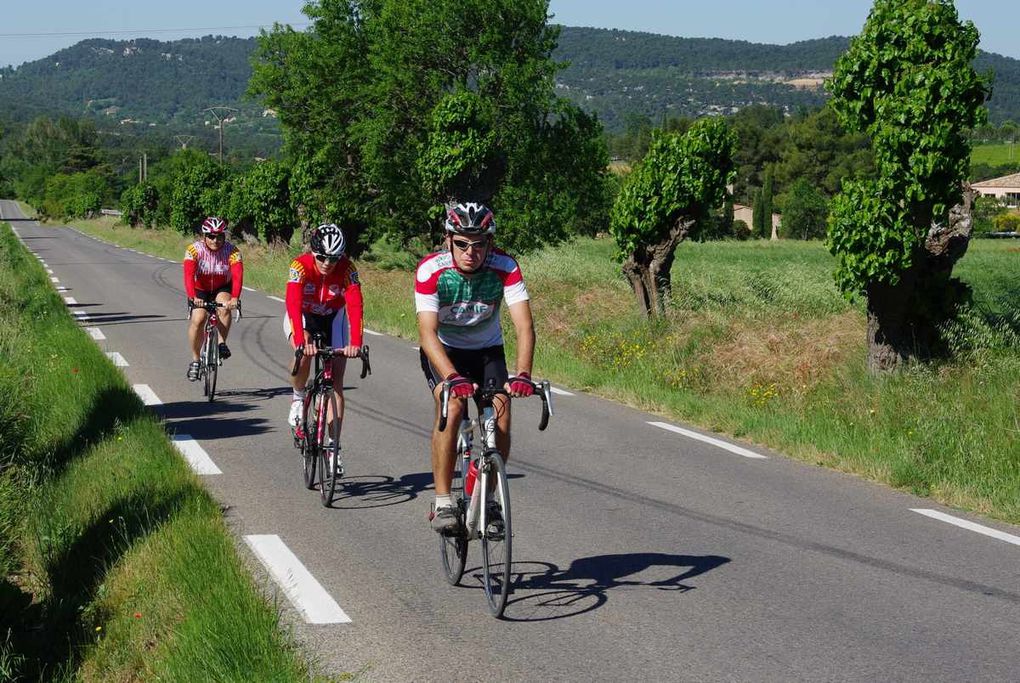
x,y
366,491
543,591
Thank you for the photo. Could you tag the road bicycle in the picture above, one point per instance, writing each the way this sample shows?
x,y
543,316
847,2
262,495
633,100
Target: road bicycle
x,y
209,356
317,434
481,495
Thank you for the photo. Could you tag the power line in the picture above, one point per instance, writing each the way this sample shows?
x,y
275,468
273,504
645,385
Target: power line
x,y
140,30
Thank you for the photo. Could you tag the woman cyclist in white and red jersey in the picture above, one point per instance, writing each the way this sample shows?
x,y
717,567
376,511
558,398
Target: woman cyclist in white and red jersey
x,y
212,271
323,295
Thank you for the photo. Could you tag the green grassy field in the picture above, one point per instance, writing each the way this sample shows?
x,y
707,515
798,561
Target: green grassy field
x,y
759,345
115,564
995,154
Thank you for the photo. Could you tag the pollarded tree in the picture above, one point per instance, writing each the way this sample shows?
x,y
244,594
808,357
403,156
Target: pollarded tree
x,y
907,81
679,181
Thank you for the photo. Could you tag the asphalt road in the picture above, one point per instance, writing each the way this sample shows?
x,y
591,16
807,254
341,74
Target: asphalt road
x,y
639,552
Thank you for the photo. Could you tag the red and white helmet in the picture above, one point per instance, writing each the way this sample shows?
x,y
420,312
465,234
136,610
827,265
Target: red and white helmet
x,y
214,225
469,218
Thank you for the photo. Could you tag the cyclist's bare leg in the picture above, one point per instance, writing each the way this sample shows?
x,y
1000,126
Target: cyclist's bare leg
x,y
224,316
198,316
501,404
297,382
444,444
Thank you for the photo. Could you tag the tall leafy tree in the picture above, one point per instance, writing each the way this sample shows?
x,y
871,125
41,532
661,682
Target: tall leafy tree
x,y
679,181
907,81
390,108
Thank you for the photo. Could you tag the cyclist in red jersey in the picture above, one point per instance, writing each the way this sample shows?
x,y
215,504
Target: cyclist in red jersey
x,y
323,295
212,270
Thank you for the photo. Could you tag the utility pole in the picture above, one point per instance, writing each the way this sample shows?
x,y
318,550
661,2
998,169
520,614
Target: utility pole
x,y
183,140
215,111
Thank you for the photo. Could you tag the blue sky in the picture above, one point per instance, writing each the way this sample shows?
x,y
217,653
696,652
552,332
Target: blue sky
x,y
761,21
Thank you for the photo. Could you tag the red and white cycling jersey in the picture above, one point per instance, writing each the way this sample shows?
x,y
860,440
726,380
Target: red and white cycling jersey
x,y
207,270
311,292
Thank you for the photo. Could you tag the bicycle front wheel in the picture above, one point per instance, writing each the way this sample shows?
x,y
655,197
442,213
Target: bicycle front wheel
x,y
212,363
496,532
309,439
453,548
330,464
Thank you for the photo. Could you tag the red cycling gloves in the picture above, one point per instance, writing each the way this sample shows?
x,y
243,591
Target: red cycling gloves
x,y
521,385
460,386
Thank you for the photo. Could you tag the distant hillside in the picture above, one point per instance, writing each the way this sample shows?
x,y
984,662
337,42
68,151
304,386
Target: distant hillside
x,y
150,84
622,73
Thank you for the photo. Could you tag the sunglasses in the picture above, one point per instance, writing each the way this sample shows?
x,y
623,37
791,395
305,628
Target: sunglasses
x,y
326,259
464,245
218,238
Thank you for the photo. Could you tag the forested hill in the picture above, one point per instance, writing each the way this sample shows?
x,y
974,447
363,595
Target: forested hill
x,y
623,73
619,74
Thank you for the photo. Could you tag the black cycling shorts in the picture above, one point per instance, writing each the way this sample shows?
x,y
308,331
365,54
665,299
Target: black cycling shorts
x,y
481,366
211,296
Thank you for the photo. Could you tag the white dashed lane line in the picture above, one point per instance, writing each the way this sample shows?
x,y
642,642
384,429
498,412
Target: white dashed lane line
x,y
307,595
117,359
708,439
561,392
54,280
969,526
70,301
80,316
195,455
147,395
95,333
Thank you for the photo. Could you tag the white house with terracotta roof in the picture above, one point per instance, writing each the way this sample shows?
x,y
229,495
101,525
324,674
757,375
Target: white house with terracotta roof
x,y
1006,189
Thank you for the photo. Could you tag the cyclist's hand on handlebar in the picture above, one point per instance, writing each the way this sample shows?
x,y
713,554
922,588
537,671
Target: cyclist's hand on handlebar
x,y
310,349
460,386
520,385
351,351
232,304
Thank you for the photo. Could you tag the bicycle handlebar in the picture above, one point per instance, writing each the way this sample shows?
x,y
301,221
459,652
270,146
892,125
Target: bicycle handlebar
x,y
329,353
543,390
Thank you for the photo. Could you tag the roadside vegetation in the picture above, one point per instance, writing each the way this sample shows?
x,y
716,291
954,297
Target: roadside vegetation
x,y
115,564
757,343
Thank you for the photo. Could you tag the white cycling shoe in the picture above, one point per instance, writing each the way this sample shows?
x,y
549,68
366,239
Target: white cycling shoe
x,y
295,413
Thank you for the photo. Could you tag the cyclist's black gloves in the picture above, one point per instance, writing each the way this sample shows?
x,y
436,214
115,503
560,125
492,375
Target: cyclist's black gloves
x,y
460,386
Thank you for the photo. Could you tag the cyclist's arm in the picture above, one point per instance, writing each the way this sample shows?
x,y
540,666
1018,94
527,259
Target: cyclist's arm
x,y
355,309
236,274
295,292
428,338
190,266
524,326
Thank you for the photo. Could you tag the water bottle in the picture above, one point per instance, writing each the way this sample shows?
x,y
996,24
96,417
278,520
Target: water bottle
x,y
469,480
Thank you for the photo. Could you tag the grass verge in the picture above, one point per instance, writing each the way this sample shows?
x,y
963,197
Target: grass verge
x,y
115,564
759,345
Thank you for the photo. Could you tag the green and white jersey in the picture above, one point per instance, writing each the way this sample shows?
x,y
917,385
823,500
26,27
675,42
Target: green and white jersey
x,y
468,305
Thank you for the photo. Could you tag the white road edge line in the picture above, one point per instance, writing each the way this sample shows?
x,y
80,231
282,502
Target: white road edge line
x,y
307,595
49,271
374,333
54,280
274,298
247,289
147,395
95,333
195,455
708,439
70,301
969,526
561,392
80,316
117,359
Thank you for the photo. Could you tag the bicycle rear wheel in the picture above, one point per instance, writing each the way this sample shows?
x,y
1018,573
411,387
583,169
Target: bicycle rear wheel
x,y
212,363
310,429
330,464
497,532
453,548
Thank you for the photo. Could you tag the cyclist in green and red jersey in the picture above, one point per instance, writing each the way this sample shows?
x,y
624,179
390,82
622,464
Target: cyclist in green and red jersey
x,y
457,296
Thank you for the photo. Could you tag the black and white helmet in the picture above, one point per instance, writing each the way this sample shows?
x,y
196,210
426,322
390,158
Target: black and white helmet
x,y
328,240
469,218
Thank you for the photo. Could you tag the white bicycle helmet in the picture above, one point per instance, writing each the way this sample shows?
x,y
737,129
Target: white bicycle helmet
x,y
328,240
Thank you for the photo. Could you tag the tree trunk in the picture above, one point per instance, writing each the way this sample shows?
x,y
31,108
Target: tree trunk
x,y
903,319
648,270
